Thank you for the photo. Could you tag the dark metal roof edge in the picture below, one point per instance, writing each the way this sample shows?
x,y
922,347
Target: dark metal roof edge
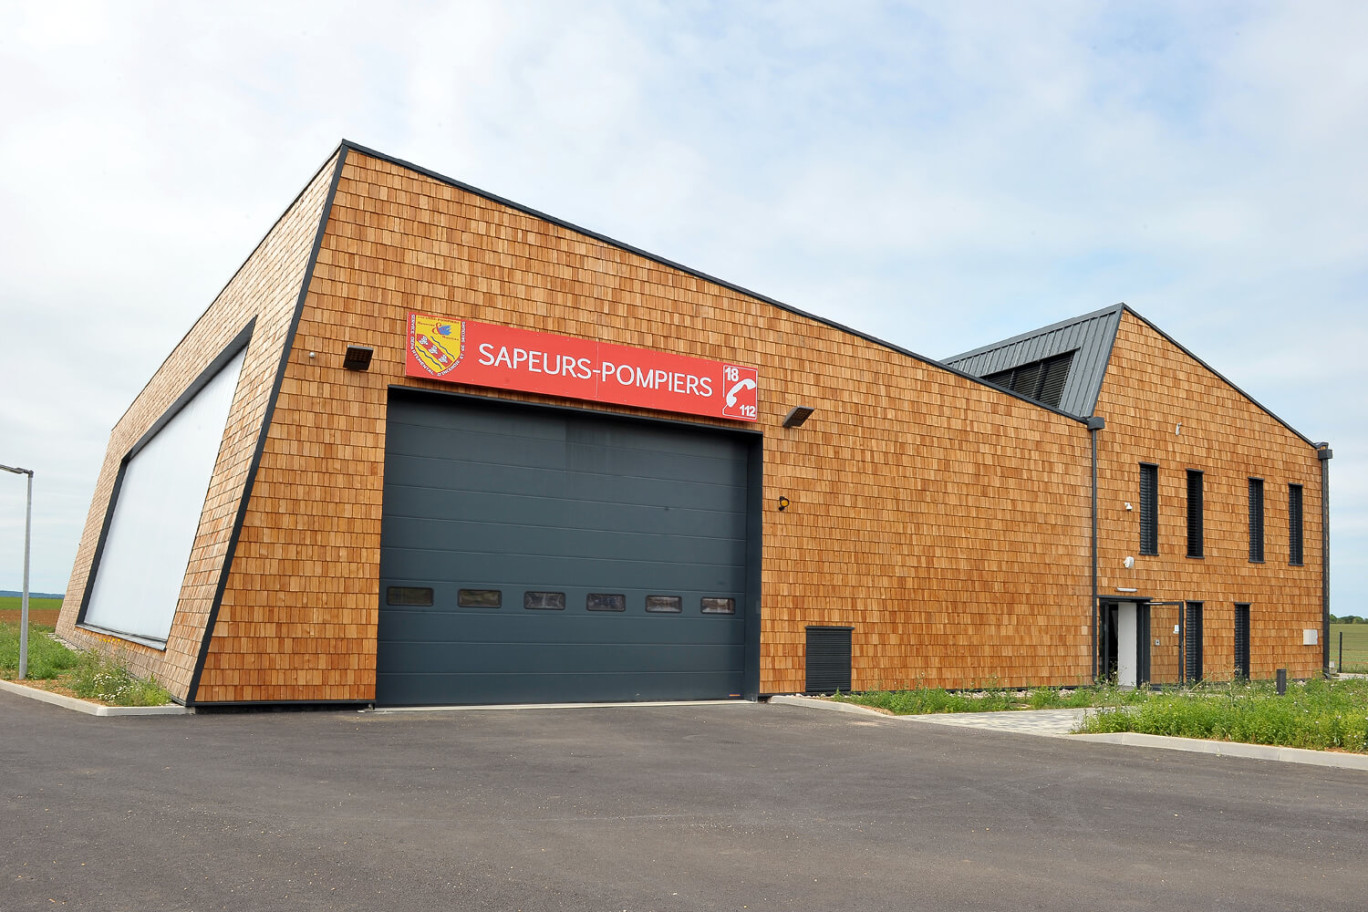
x,y
268,415
236,272
571,226
1222,377
1021,337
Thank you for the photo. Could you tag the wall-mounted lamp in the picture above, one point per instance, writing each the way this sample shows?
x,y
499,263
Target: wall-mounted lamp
x,y
1129,562
783,503
797,415
358,357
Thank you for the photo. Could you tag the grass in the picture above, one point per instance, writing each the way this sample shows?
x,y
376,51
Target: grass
x,y
926,700
1355,646
1317,714
88,675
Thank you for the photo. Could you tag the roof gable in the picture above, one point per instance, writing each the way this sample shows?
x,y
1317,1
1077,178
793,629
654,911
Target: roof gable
x,y
1089,337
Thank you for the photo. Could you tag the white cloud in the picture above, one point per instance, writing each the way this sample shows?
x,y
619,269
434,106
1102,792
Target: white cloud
x,y
938,174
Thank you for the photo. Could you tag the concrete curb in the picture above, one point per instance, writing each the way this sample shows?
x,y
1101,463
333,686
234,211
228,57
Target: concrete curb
x,y
815,703
1233,749
91,709
1131,739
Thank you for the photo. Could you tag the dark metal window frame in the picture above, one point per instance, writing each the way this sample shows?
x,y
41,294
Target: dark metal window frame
x,y
1242,624
1295,530
1149,508
1256,521
1192,642
1196,544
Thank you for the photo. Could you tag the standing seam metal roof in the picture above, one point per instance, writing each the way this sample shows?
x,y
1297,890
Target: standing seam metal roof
x,y
1090,337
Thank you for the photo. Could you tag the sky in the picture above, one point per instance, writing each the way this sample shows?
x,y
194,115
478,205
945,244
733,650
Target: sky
x,y
940,175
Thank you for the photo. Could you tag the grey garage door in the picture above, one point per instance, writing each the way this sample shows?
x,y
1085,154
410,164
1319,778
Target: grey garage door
x,y
549,555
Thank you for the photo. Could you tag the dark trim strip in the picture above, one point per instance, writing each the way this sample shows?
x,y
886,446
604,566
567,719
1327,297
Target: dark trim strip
x,y
229,352
209,707
236,272
421,391
250,481
1325,454
570,226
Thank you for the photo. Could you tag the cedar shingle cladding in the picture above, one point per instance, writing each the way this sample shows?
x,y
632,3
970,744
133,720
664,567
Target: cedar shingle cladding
x,y
265,290
946,521
1151,386
909,485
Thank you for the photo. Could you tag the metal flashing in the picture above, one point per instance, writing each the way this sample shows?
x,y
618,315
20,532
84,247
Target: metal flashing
x,y
229,352
249,481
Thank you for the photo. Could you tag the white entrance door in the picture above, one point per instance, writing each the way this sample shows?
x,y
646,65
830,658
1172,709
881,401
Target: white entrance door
x,y
1127,645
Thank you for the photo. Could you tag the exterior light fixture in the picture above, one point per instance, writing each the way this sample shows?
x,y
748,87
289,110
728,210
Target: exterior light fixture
x,y
24,602
797,415
783,503
358,357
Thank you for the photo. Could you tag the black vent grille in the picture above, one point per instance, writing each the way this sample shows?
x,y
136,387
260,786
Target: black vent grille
x,y
1149,509
1256,524
1242,641
1194,514
1193,642
828,659
1294,525
1041,380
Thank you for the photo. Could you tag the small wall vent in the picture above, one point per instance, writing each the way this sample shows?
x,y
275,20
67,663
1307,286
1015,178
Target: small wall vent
x,y
828,659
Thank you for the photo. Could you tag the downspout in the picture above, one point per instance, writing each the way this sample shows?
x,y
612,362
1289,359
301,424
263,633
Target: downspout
x,y
1094,425
1325,454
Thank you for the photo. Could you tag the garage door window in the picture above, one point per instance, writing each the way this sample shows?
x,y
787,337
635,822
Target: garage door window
x,y
719,605
409,596
664,604
544,601
479,598
605,601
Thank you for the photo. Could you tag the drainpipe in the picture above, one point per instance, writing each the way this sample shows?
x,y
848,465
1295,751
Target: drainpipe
x,y
1325,454
1094,425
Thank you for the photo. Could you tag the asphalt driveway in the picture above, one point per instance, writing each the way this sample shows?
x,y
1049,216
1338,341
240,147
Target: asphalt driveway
x,y
722,807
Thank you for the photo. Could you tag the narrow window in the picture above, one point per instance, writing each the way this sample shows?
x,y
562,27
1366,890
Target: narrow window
x,y
1149,508
1242,641
479,598
1192,643
605,601
544,601
1256,525
1194,514
664,604
1294,525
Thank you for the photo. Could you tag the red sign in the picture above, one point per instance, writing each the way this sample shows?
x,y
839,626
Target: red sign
x,y
483,354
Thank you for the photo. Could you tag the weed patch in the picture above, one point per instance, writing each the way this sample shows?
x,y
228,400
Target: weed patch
x,y
1317,714
88,675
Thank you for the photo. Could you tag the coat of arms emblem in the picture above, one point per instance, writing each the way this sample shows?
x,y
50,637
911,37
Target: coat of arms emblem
x,y
437,344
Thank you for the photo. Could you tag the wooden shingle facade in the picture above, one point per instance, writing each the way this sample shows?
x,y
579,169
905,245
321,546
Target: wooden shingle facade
x,y
947,524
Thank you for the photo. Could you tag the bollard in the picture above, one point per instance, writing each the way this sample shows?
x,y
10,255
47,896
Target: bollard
x,y
1282,682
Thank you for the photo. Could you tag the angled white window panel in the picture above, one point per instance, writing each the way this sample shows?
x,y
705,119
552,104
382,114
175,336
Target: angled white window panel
x,y
157,514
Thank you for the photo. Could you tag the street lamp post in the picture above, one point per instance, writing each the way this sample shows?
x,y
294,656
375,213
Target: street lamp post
x,y
23,604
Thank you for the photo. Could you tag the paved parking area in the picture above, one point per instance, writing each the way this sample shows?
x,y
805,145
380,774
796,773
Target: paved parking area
x,y
730,806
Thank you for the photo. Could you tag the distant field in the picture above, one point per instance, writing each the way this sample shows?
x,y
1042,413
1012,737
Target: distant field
x,y
1355,646
41,611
